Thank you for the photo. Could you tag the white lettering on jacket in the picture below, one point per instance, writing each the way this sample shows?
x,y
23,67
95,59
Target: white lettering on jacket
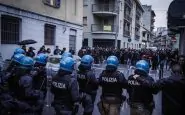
x,y
133,82
59,85
80,76
109,79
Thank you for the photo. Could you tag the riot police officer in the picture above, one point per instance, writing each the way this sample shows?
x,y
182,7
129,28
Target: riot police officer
x,y
112,82
69,54
13,60
12,75
88,84
26,99
140,98
173,90
65,89
39,72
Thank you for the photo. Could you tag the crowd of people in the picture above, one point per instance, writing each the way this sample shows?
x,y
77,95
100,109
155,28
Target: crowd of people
x,y
23,85
164,58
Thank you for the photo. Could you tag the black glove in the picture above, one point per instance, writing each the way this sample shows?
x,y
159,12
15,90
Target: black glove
x,y
75,108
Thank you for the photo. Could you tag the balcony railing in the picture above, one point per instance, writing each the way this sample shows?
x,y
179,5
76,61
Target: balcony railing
x,y
104,8
129,3
128,17
103,28
126,33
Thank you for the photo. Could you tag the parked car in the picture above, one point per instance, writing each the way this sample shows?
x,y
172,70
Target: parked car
x,y
53,64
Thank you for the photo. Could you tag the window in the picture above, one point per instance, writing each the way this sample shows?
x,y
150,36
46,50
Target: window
x,y
144,34
49,34
53,3
85,42
148,35
85,2
105,22
72,39
10,29
85,21
124,45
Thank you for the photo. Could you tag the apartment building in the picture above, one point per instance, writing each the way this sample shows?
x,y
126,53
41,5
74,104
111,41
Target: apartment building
x,y
109,23
49,22
148,21
163,40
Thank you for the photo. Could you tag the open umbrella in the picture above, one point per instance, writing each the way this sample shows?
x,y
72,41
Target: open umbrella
x,y
26,42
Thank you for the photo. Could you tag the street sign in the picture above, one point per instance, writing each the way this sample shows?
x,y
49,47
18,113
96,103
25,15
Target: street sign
x,y
129,40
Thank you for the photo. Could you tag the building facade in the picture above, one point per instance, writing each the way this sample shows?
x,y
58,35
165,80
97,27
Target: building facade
x,y
111,23
49,22
164,41
148,26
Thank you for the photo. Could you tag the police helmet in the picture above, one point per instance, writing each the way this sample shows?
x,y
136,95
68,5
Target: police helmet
x,y
41,59
19,51
17,58
67,64
143,66
87,61
26,63
66,54
112,62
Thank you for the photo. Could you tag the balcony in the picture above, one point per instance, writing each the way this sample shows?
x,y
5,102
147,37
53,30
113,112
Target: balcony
x,y
129,3
128,18
98,28
126,33
104,9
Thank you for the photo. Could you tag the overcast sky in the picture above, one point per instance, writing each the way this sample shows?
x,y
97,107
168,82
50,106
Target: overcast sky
x,y
160,7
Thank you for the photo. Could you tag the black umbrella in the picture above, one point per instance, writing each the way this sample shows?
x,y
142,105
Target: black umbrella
x,y
26,42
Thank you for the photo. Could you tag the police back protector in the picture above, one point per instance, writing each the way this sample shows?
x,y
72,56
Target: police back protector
x,y
61,89
111,86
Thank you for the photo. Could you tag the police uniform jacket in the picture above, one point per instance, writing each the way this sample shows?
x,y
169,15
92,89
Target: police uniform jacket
x,y
87,81
139,93
112,83
65,90
173,93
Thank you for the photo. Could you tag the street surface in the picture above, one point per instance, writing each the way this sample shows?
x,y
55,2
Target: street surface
x,y
125,110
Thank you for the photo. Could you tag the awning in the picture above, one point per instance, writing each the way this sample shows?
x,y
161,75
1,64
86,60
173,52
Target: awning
x,y
176,14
